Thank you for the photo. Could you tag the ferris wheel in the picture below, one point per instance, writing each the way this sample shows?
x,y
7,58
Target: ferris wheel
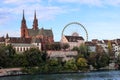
x,y
76,28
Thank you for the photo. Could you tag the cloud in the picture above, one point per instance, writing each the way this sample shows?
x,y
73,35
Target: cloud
x,y
90,2
4,15
15,8
113,2
20,1
43,12
12,33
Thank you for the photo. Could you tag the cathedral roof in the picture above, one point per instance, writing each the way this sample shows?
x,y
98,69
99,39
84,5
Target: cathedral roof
x,y
44,32
19,40
36,40
32,32
48,32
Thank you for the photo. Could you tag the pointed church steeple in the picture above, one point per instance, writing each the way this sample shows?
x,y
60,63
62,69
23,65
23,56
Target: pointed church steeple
x,y
23,16
7,36
23,26
23,22
35,22
35,15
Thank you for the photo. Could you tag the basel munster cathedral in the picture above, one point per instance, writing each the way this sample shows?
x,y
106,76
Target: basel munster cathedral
x,y
33,37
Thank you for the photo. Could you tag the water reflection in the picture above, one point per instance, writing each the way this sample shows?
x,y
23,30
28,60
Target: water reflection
x,y
101,75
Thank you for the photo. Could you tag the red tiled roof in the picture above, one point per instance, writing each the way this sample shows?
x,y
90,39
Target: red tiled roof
x,y
19,40
89,43
74,38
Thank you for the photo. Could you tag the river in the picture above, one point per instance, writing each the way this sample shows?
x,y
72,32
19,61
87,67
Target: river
x,y
100,75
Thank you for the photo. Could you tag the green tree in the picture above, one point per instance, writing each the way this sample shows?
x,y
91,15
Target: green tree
x,y
53,46
44,56
76,49
10,51
33,56
19,60
70,65
65,46
54,65
6,55
102,60
83,50
98,60
82,63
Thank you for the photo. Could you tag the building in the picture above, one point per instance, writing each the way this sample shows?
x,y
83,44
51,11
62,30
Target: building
x,y
74,40
91,46
46,35
63,55
30,38
21,44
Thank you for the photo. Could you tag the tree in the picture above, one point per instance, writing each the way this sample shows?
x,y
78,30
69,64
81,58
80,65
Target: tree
x,y
102,60
6,55
65,46
82,50
92,59
44,56
54,65
19,60
9,50
98,60
70,65
82,63
110,52
33,56
76,49
53,46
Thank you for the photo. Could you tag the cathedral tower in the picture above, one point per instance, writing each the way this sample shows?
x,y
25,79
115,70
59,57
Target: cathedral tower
x,y
35,22
23,26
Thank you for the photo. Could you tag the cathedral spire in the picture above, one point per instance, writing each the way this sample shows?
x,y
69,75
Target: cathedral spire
x,y
23,16
35,15
23,22
7,36
23,26
35,22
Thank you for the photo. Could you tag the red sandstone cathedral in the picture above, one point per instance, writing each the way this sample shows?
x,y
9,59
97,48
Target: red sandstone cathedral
x,y
33,37
46,35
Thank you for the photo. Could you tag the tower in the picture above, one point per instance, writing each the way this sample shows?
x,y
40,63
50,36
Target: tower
x,y
35,22
23,27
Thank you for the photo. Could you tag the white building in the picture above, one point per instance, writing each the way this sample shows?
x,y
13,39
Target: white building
x,y
64,55
73,41
21,44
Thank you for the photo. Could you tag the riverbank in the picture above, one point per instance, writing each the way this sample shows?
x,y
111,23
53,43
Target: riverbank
x,y
98,75
11,72
18,71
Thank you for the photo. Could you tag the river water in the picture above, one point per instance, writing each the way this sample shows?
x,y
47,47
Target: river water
x,y
100,75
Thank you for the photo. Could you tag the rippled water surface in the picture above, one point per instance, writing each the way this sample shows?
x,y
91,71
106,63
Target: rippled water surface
x,y
101,75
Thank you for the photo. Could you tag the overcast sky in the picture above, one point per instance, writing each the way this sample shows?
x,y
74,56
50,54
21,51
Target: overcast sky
x,y
101,18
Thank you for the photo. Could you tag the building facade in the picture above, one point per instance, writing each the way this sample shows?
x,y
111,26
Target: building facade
x,y
46,35
74,40
30,38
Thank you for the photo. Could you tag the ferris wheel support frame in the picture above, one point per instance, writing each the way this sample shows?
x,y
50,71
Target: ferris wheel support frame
x,y
77,24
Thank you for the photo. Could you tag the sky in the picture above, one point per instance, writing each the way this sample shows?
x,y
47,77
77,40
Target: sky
x,y
101,18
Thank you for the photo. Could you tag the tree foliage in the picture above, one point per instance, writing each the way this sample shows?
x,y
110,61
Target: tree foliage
x,y
33,56
65,46
70,65
53,46
82,63
82,50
